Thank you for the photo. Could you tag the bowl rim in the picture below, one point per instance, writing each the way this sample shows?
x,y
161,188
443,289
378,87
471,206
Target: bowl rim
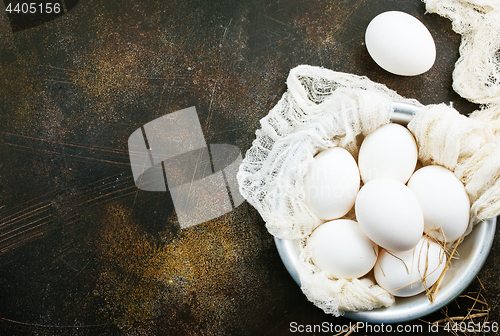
x,y
483,233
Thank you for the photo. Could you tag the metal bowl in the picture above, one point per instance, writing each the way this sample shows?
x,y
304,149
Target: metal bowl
x,y
472,251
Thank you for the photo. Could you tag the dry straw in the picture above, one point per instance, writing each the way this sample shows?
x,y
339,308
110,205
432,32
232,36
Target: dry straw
x,y
473,321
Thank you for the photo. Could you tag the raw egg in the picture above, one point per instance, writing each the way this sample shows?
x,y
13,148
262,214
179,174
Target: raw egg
x,y
340,248
400,44
408,273
389,151
444,201
389,214
331,183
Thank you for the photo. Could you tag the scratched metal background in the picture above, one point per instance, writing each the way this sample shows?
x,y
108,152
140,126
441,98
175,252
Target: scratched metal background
x,y
82,251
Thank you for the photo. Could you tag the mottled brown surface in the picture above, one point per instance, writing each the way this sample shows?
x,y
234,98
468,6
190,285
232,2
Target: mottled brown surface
x,y
82,251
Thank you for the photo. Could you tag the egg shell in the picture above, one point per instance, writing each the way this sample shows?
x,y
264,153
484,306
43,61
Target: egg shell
x,y
444,201
331,183
340,248
403,273
400,43
389,151
389,214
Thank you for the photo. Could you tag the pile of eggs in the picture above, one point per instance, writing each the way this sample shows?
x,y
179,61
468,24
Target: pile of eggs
x,y
405,212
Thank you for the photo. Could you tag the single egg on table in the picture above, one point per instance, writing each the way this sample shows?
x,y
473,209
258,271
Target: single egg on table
x,y
340,248
331,183
389,214
410,272
389,151
400,43
444,201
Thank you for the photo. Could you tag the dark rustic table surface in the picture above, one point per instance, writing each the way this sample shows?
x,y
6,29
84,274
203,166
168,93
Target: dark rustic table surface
x,y
82,250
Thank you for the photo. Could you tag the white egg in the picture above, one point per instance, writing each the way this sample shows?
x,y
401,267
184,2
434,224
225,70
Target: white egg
x,y
331,183
389,214
341,248
400,43
444,201
408,273
389,151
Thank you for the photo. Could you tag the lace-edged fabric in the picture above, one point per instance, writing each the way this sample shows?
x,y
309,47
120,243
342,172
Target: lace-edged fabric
x,y
476,76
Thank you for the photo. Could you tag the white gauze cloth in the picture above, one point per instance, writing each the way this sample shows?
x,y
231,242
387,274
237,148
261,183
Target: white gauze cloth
x,y
476,76
320,109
